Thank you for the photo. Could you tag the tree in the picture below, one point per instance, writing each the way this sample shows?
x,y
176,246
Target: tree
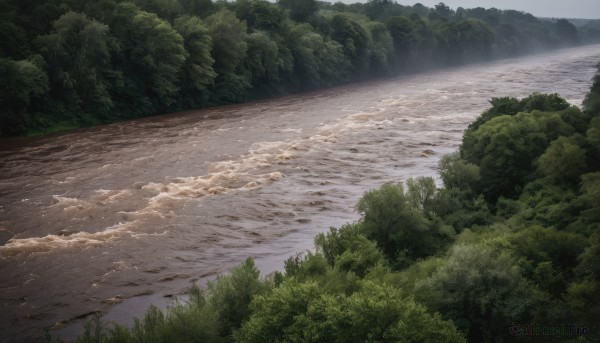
x,y
151,58
354,38
505,147
457,173
421,192
476,38
481,291
443,11
567,32
401,231
404,39
563,160
197,72
300,10
160,48
381,51
77,55
317,62
591,103
21,81
259,15
449,48
230,295
166,10
347,249
12,36
590,202
302,312
548,256
198,8
511,106
229,50
378,9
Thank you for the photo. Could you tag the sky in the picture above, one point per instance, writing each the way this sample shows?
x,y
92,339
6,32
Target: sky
x,y
588,9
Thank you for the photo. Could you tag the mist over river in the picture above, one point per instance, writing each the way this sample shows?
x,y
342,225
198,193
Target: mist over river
x,y
96,217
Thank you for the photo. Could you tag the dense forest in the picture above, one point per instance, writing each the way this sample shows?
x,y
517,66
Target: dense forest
x,y
506,249
70,63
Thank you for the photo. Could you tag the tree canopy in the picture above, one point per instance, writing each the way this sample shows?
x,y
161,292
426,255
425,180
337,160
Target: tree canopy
x,y
102,61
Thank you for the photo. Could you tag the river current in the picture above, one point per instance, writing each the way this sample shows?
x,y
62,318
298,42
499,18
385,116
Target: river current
x,y
111,217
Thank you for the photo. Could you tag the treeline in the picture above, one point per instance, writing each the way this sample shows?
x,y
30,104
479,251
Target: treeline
x,y
507,249
68,63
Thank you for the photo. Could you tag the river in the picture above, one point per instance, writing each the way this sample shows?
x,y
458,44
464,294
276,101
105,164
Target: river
x,y
111,217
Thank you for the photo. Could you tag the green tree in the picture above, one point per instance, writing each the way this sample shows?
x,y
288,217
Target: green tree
x,y
21,81
449,48
567,32
78,59
354,38
476,38
299,10
263,62
166,10
197,72
421,192
304,313
504,149
591,103
14,42
443,11
548,257
401,231
317,62
481,291
563,160
381,52
347,249
229,50
589,201
198,8
151,58
457,173
405,38
230,295
511,106
259,15
458,203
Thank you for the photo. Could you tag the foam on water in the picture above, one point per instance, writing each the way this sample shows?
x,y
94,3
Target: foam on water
x,y
53,242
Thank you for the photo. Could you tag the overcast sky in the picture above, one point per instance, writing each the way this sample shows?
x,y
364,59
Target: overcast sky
x,y
589,9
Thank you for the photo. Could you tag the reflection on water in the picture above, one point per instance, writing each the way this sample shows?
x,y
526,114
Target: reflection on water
x,y
95,216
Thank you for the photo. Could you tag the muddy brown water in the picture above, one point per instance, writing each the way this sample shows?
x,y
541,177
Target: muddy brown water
x,y
113,217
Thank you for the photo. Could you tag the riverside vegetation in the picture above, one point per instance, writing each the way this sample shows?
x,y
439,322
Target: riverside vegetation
x,y
510,239
71,63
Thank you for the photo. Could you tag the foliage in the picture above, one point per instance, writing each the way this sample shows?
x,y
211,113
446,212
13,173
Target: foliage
x,y
197,74
347,249
592,100
394,219
563,160
304,313
231,294
101,61
480,290
77,56
504,147
21,81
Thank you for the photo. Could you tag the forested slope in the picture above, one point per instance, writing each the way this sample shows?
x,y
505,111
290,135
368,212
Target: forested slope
x,y
508,249
68,63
